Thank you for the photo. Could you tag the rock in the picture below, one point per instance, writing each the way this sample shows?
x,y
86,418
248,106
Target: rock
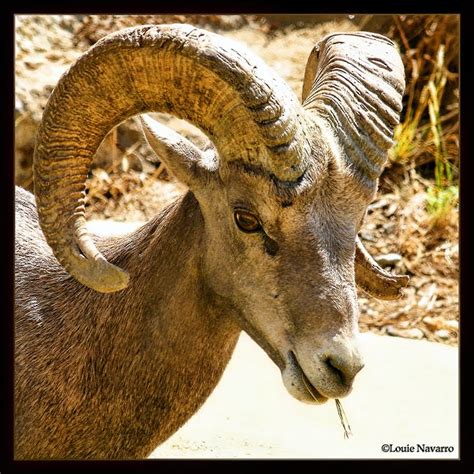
x,y
389,227
428,297
452,324
443,334
433,323
371,312
102,175
367,236
410,333
132,162
388,260
32,65
391,210
378,204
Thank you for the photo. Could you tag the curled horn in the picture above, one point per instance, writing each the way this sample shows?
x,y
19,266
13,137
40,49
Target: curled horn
x,y
245,109
354,83
373,279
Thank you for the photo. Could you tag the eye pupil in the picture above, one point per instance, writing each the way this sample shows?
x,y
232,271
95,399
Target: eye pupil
x,y
247,221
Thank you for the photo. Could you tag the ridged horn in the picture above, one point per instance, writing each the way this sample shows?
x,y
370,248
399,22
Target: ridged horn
x,y
373,279
355,82
248,112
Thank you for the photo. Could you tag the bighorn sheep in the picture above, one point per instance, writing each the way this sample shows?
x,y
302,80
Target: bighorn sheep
x,y
119,341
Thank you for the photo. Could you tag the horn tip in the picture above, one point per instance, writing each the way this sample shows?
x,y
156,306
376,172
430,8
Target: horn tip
x,y
103,277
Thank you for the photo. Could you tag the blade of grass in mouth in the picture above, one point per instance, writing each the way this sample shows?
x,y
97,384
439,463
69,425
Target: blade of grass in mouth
x,y
344,421
340,411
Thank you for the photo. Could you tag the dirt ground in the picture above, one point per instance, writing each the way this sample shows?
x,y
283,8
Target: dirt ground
x,y
123,185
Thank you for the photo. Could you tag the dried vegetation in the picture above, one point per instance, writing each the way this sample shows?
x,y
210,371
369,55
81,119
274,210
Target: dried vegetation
x,y
411,227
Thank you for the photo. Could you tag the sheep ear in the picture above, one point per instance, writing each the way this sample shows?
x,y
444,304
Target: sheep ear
x,y
183,159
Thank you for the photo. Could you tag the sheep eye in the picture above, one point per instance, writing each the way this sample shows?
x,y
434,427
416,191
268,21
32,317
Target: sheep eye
x,y
246,221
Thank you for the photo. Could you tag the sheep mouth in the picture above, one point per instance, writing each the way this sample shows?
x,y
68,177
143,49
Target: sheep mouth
x,y
310,388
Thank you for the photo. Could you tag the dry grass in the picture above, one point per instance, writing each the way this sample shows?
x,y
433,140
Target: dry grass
x,y
429,45
427,138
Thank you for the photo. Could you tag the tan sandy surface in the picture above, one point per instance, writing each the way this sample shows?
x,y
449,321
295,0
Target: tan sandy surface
x,y
406,394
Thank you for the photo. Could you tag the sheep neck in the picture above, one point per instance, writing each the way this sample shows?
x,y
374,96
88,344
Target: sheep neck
x,y
179,337
114,375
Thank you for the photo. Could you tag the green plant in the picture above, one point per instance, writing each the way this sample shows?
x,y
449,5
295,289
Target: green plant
x,y
440,201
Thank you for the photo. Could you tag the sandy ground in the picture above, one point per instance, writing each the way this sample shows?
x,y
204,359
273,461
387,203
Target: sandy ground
x,y
406,397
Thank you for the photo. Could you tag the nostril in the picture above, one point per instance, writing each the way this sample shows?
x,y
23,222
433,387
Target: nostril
x,y
344,370
335,368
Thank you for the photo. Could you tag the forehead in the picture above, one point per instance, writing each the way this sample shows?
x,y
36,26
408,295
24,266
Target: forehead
x,y
256,185
325,193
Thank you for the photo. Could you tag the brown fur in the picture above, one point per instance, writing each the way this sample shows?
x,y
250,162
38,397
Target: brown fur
x,y
114,375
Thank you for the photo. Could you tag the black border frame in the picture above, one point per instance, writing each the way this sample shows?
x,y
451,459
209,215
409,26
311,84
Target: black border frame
x,y
7,464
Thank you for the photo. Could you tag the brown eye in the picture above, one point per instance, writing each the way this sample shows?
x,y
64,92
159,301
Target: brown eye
x,y
247,221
